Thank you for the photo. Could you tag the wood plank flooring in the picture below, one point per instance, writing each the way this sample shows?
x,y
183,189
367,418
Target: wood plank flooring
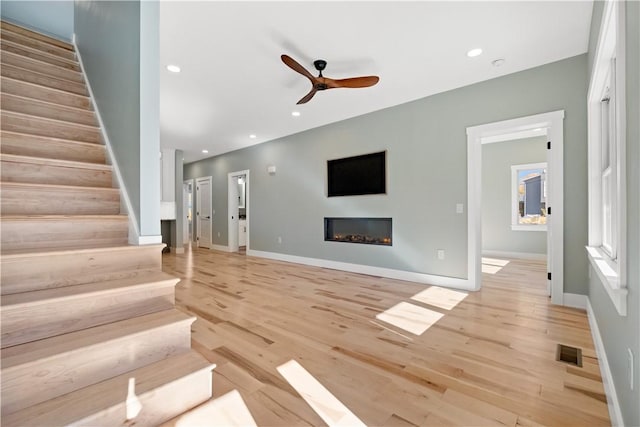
x,y
490,360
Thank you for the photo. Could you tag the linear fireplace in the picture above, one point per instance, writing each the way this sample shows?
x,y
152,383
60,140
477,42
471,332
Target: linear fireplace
x,y
369,231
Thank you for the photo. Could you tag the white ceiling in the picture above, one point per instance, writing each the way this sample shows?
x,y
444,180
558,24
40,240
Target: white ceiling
x,y
234,84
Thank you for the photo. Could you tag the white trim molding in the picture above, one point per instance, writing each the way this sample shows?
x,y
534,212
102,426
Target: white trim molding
x,y
410,276
553,124
222,248
601,264
615,412
610,267
516,255
134,230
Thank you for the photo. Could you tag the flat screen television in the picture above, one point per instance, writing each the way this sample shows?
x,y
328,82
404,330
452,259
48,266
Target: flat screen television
x,y
358,175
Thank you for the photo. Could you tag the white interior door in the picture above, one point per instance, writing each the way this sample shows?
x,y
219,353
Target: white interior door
x,y
203,212
549,183
233,213
187,197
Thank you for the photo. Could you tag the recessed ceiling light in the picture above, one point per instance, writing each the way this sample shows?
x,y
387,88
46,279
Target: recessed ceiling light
x,y
474,52
173,68
295,113
252,136
498,62
205,151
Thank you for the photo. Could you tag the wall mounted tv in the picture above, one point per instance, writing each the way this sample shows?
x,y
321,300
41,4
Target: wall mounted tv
x,y
353,176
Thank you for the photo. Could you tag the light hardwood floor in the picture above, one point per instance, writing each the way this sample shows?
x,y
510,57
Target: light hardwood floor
x,y
490,360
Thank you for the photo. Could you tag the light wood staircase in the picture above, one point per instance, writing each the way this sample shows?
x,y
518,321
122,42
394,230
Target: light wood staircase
x,y
90,335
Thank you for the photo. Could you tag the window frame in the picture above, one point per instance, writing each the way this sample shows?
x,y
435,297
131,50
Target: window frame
x,y
607,187
515,225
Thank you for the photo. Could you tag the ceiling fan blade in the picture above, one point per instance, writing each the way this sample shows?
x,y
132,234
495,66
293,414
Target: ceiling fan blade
x,y
291,63
352,82
308,96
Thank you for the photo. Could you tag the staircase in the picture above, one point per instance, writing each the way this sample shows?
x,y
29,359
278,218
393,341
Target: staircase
x,y
90,335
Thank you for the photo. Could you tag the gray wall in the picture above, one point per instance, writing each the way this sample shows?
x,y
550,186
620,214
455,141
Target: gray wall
x,y
497,159
427,155
620,333
108,35
54,18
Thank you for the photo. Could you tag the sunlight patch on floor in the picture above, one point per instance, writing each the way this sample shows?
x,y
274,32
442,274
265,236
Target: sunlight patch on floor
x,y
493,265
226,410
325,404
440,297
410,317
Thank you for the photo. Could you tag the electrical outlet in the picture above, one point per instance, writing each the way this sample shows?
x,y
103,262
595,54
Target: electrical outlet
x,y
459,208
441,254
218,234
279,239
630,367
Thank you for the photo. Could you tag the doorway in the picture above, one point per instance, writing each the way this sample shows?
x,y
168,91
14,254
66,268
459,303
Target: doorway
x,y
550,125
514,200
187,211
238,215
203,212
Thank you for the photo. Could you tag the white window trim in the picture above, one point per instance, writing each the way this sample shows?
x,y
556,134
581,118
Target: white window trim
x,y
611,42
514,198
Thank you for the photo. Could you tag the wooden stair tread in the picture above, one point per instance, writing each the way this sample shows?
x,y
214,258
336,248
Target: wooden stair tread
x,y
82,403
47,119
29,185
34,351
27,51
39,74
7,133
53,162
45,68
48,110
31,145
46,92
145,278
6,218
79,249
34,43
5,25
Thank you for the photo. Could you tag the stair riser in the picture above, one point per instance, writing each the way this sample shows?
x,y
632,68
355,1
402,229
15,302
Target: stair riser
x,y
34,272
42,79
56,175
50,111
160,404
51,148
37,44
42,234
42,93
38,55
30,322
44,127
35,35
47,378
58,201
38,108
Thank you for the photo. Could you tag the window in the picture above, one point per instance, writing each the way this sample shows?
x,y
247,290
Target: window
x,y
607,127
529,197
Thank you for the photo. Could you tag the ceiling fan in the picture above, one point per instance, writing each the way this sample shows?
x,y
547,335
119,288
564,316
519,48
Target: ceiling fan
x,y
323,83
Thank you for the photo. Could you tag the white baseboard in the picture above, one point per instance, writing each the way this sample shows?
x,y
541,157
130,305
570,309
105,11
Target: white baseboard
x,y
179,250
450,282
517,255
615,413
575,300
220,248
146,240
